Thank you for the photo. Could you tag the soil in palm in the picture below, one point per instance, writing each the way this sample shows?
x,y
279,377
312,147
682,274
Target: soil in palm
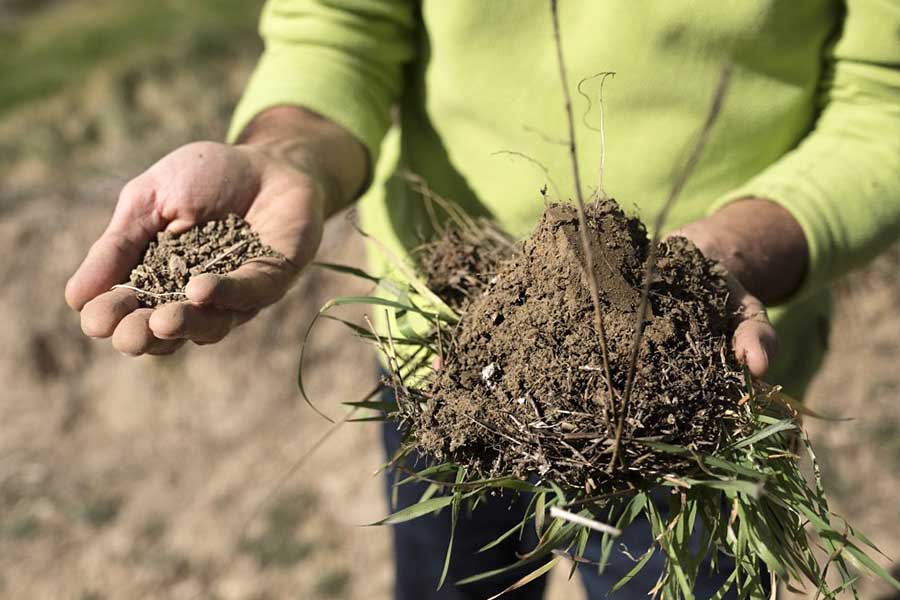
x,y
214,247
523,390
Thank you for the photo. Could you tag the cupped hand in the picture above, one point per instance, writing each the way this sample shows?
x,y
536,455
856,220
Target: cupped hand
x,y
194,184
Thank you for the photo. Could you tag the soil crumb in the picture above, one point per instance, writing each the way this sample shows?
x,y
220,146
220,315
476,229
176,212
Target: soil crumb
x,y
213,247
522,391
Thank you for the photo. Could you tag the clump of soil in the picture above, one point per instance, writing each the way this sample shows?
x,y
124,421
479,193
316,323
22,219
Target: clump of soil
x,y
459,264
522,389
213,247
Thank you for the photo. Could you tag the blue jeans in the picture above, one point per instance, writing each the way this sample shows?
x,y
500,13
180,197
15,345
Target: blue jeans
x,y
420,546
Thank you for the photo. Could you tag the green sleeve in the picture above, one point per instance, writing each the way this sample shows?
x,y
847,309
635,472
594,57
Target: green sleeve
x,y
340,58
842,183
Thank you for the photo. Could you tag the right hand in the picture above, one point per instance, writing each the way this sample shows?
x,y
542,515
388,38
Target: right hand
x,y
198,182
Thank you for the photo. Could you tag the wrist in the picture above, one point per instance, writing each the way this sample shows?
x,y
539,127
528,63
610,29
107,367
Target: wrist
x,y
315,147
762,244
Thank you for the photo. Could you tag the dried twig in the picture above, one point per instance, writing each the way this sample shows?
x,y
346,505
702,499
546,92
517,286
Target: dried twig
x,y
650,265
147,292
571,517
232,249
582,220
533,161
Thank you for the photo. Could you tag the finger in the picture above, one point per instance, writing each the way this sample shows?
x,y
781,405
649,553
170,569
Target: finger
x,y
181,320
111,258
755,341
250,287
134,338
100,316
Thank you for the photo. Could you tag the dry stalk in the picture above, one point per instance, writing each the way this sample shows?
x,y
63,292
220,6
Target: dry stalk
x,y
147,292
650,265
601,192
232,249
534,162
582,220
571,517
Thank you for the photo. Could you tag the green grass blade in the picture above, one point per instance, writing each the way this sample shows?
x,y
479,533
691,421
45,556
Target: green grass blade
x,y
777,427
346,270
368,335
301,360
631,574
540,511
454,516
378,301
540,571
415,511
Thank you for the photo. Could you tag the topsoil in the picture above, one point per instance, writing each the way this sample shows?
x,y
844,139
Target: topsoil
x,y
522,389
213,247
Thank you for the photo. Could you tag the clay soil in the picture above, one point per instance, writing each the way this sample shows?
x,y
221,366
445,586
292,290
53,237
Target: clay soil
x,y
523,390
173,258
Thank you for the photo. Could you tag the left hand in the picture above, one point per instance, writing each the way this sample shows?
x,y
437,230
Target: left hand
x,y
765,254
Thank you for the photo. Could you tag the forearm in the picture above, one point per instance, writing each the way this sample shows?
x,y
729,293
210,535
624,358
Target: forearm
x,y
314,145
759,242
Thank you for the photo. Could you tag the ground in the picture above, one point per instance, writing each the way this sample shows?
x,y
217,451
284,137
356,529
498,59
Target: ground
x,y
166,478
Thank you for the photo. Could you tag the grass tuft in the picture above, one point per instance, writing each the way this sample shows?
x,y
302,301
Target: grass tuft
x,y
774,512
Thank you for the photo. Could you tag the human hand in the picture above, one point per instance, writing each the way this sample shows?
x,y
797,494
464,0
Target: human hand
x,y
764,253
193,184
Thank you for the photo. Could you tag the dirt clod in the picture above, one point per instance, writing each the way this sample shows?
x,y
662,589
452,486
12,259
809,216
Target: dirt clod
x,y
459,264
213,247
522,390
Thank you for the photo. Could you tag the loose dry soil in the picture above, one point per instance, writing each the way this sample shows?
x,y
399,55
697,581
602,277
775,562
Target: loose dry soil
x,y
218,246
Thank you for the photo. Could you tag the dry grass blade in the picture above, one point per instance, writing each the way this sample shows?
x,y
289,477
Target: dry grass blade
x,y
571,517
147,292
601,191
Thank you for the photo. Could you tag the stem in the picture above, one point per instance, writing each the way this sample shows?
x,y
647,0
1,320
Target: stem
x,y
582,220
232,249
650,266
559,513
147,292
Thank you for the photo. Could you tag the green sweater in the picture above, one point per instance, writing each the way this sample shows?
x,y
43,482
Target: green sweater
x,y
811,121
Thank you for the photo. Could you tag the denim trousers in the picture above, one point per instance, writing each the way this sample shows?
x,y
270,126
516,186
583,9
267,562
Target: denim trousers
x,y
421,544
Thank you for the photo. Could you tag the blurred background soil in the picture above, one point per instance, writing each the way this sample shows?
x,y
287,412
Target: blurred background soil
x,y
165,478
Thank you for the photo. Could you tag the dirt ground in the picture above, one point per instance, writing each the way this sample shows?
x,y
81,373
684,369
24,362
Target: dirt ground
x,y
165,478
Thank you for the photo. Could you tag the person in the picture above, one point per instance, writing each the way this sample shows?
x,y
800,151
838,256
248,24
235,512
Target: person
x,y
798,183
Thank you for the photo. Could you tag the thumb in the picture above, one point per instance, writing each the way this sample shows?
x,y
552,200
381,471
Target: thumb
x,y
755,342
111,258
250,287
